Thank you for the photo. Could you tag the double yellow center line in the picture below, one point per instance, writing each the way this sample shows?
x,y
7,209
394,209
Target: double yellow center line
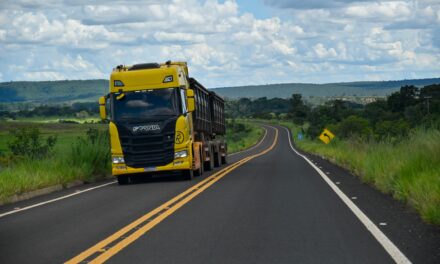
x,y
110,246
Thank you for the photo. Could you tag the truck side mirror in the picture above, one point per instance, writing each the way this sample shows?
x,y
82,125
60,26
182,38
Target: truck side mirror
x,y
191,101
102,110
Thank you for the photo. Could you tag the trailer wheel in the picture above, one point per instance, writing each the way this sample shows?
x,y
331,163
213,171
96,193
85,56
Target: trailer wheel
x,y
209,165
199,172
225,159
188,174
123,179
217,159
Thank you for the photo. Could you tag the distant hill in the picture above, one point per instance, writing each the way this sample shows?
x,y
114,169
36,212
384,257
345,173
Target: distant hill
x,y
52,91
381,88
90,90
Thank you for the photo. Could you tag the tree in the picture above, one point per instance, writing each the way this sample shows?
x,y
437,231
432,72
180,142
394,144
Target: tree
x,y
28,142
391,129
298,110
375,111
354,126
398,101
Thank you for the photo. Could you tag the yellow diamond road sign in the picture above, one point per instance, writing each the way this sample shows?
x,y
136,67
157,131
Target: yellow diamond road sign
x,y
326,136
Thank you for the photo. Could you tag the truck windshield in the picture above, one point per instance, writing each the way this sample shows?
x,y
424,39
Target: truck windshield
x,y
146,104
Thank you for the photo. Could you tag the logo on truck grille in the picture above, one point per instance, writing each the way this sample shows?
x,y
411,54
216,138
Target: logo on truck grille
x,y
146,128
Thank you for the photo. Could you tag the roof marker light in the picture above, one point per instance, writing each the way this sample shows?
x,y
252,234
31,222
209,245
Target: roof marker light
x,y
168,78
117,83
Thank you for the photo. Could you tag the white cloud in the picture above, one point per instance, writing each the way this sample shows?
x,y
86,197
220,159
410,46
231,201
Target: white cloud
x,y
322,52
303,41
44,75
179,37
379,10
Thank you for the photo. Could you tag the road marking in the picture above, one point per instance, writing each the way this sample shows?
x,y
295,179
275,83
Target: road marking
x,y
386,243
251,148
101,252
54,200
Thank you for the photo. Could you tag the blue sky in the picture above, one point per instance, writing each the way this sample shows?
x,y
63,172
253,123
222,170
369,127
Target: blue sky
x,y
226,42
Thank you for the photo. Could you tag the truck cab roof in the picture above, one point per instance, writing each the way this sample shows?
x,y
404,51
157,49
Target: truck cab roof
x,y
148,76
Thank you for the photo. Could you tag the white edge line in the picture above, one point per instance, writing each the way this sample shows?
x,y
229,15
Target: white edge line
x,y
54,200
386,243
251,148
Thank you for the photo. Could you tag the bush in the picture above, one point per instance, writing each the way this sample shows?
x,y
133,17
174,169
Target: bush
x,y
391,129
91,153
353,126
241,135
28,142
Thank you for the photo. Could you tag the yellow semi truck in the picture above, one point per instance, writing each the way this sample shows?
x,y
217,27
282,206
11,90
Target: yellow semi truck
x,y
161,121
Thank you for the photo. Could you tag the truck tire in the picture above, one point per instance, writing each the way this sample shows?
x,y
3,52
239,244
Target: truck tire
x,y
224,159
217,159
199,172
123,179
209,165
188,174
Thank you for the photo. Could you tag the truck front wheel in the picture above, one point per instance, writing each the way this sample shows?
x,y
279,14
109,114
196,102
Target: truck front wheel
x,y
188,174
123,179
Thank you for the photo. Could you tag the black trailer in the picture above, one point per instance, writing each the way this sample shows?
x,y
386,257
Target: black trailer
x,y
202,114
209,121
217,105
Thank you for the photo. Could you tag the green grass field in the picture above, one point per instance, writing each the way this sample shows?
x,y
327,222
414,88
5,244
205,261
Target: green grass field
x,y
73,158
66,133
241,138
409,169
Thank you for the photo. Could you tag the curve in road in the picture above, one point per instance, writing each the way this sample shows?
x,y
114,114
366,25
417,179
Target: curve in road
x,y
274,207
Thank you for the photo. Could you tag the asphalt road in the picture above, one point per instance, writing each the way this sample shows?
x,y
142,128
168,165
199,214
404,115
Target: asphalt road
x,y
270,207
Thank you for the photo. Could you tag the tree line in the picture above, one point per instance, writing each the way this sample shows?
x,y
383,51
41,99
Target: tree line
x,y
81,110
391,117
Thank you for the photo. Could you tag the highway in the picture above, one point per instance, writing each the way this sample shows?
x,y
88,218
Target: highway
x,y
270,204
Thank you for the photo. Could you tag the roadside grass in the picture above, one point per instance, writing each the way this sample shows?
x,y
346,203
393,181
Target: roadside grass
x,y
241,135
409,169
75,157
65,132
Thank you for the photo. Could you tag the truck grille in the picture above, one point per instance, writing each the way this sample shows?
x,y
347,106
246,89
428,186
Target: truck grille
x,y
150,148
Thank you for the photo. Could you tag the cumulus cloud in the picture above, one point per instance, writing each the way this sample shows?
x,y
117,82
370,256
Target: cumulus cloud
x,y
304,41
315,4
322,52
164,37
385,10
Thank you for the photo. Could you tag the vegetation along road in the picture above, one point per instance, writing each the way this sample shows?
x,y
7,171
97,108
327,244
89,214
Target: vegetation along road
x,y
270,204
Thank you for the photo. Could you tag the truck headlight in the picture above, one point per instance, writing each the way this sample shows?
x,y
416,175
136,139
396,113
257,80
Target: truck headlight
x,y
118,159
181,154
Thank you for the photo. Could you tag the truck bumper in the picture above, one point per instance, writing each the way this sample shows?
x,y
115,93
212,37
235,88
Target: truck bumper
x,y
177,164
